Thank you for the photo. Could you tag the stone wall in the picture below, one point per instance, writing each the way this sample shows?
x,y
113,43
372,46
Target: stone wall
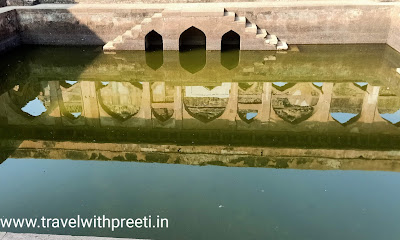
x,y
186,1
8,30
3,3
311,23
79,26
296,24
394,33
323,24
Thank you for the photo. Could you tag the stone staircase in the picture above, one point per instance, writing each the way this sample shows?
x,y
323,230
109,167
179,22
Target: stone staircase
x,y
213,22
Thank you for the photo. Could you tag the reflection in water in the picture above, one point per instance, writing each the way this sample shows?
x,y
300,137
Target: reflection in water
x,y
342,117
347,102
120,100
361,84
310,109
31,99
259,101
282,86
71,99
34,107
318,84
71,82
230,59
206,104
155,59
295,104
392,117
193,60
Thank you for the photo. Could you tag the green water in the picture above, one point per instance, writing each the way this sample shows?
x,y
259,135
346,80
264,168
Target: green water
x,y
238,145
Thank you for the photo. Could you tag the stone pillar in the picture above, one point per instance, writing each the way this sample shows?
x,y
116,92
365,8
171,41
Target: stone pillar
x,y
369,104
266,102
90,103
146,104
324,104
232,106
54,99
178,107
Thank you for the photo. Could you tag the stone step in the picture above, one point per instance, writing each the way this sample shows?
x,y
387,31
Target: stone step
x,y
127,34
261,33
282,45
271,39
240,19
136,28
157,15
251,27
118,39
146,21
229,14
109,46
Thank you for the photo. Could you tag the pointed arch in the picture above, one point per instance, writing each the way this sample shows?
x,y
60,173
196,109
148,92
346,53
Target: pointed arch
x,y
153,41
192,38
230,50
230,41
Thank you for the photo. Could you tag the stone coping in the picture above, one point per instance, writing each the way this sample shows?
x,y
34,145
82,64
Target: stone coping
x,y
199,5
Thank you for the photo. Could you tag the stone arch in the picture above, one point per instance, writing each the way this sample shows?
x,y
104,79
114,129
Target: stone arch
x,y
204,104
31,99
389,106
120,100
295,104
163,114
346,103
230,50
230,41
192,38
153,41
70,99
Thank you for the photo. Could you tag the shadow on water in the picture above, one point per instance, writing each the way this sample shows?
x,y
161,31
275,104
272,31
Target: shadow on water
x,y
155,59
230,58
17,65
193,60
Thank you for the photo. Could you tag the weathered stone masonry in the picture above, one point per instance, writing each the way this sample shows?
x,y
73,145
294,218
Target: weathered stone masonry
x,y
297,23
8,30
394,33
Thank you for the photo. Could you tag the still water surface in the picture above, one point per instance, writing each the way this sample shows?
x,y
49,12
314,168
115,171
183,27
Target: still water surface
x,y
290,133
257,203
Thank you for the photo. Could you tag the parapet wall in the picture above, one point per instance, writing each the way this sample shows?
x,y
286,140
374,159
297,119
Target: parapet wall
x,y
394,33
8,30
